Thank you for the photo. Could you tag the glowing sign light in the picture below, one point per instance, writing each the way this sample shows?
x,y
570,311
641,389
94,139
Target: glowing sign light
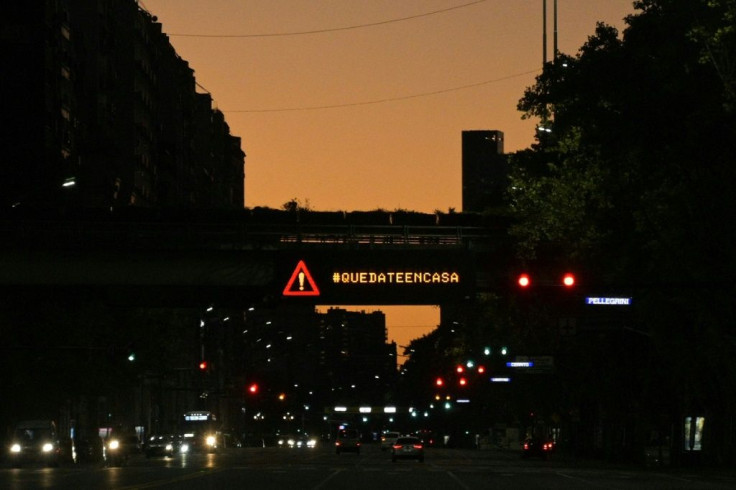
x,y
301,282
608,301
396,277
196,416
520,364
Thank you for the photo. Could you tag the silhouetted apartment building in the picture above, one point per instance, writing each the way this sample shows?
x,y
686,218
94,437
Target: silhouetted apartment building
x,y
98,110
484,170
354,354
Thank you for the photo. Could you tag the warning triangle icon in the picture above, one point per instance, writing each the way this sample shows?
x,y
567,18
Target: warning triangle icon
x,y
301,282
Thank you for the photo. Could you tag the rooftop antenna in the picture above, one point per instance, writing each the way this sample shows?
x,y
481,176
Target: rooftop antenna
x,y
554,53
544,32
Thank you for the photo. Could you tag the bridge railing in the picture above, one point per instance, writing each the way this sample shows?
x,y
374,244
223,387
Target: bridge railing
x,y
173,235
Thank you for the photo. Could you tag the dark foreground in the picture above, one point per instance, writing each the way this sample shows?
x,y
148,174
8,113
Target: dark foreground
x,y
372,469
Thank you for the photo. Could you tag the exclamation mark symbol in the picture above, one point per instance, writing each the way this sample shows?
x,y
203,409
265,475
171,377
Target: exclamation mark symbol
x,y
301,281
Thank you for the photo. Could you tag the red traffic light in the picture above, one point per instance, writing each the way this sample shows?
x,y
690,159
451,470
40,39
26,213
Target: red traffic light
x,y
439,382
481,369
462,381
203,366
568,280
253,388
524,280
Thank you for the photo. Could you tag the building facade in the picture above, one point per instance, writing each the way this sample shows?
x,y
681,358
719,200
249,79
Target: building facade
x,y
484,170
100,111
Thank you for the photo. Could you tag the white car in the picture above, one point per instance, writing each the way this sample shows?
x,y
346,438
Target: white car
x,y
388,439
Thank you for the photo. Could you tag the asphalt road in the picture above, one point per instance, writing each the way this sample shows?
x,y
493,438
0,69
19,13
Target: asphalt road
x,y
321,468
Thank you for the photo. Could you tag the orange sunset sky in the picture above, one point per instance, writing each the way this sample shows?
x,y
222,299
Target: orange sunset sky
x,y
360,104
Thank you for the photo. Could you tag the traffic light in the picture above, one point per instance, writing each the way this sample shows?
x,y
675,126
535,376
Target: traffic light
x,y
568,280
253,388
439,382
203,366
462,381
481,369
524,281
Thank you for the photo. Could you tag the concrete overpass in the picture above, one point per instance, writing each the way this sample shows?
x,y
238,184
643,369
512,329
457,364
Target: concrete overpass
x,y
167,258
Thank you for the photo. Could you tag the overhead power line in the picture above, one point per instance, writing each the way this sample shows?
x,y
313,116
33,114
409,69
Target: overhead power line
x,y
382,101
333,29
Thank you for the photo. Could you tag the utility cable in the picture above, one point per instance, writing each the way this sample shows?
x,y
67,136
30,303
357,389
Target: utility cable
x,y
334,29
382,101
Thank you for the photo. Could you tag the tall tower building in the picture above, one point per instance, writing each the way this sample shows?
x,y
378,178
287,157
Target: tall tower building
x,y
484,169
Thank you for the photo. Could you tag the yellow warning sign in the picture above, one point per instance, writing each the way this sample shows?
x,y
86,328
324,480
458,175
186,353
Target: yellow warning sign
x,y
301,282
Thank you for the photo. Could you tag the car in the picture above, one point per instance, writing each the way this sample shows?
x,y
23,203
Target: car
x,y
407,447
428,437
35,441
297,441
88,448
305,441
348,440
162,445
119,447
539,447
388,439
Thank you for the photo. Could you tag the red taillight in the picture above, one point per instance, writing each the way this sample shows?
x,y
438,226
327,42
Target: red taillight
x,y
526,445
398,446
417,446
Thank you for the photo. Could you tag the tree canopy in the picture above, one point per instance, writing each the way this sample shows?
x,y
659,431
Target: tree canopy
x,y
631,176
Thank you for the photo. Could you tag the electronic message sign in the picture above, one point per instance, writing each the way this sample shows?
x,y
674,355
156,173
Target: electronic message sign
x,y
377,277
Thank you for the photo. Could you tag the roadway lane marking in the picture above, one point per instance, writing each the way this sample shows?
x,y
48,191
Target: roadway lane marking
x,y
585,480
330,477
458,480
159,483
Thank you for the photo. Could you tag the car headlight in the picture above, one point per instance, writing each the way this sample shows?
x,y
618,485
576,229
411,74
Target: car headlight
x,y
210,441
311,443
169,447
184,448
114,444
47,447
15,448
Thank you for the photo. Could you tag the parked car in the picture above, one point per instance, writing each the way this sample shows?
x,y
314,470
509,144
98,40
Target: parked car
x,y
407,447
388,439
348,440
